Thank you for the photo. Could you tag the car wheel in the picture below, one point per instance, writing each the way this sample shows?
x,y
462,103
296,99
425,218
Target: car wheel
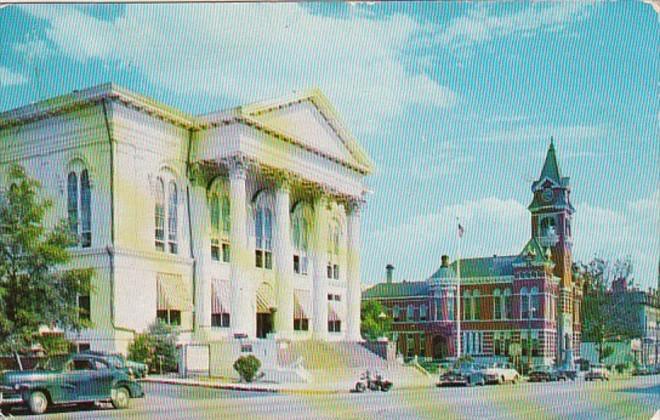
x,y
501,380
37,402
120,398
516,379
360,387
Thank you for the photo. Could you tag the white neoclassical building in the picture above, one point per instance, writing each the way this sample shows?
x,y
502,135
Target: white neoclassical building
x,y
245,221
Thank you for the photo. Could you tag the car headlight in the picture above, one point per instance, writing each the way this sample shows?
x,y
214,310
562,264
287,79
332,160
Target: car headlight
x,y
17,386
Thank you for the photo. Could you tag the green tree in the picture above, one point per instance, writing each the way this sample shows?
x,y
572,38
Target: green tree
x,y
604,315
156,348
34,289
373,324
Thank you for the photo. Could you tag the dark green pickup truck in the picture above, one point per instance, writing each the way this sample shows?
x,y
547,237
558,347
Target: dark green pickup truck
x,y
79,379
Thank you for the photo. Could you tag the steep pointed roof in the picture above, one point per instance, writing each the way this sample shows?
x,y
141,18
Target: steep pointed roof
x,y
534,252
551,167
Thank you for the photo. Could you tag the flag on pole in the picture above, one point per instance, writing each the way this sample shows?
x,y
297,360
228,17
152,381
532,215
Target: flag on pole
x,y
460,231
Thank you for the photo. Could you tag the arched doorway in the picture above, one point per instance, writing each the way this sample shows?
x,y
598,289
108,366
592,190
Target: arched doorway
x,y
440,347
265,308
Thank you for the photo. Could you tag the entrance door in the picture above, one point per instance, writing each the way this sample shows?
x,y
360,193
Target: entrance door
x,y
264,325
440,347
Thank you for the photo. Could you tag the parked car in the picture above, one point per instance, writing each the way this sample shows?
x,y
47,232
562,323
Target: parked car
x,y
466,375
566,373
545,374
135,369
643,370
597,371
80,379
500,373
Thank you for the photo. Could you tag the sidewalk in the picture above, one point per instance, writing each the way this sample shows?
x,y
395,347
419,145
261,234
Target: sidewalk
x,y
285,388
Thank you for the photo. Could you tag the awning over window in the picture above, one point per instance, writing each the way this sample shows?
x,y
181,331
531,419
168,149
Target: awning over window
x,y
173,293
302,304
220,296
265,299
332,313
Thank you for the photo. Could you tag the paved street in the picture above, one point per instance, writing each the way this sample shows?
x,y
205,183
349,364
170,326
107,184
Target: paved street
x,y
627,398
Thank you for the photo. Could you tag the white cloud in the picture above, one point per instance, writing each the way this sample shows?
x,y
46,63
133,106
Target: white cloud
x,y
492,226
245,53
617,233
9,78
543,132
502,227
481,25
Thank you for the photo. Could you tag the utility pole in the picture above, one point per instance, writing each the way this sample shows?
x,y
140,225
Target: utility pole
x,y
458,292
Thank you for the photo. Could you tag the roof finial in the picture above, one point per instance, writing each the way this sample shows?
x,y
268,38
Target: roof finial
x,y
552,142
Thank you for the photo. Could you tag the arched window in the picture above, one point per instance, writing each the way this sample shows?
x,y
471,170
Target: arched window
x,y
410,313
300,227
79,207
396,313
497,305
476,303
263,228
220,222
166,203
451,305
423,312
334,241
535,302
524,303
172,217
547,224
467,307
508,304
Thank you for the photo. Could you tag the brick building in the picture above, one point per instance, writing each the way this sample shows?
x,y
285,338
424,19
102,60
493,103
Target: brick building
x,y
509,304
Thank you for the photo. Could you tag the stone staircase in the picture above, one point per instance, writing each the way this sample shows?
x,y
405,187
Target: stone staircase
x,y
338,365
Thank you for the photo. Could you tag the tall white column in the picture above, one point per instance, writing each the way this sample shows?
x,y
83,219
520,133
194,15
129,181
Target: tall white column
x,y
283,261
320,260
354,290
201,219
242,291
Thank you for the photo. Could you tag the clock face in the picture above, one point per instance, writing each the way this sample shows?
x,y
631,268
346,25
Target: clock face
x,y
547,195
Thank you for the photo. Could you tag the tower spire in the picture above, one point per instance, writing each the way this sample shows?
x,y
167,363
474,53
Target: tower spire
x,y
551,167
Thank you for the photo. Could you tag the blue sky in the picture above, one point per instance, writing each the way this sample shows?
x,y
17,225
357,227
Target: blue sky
x,y
455,102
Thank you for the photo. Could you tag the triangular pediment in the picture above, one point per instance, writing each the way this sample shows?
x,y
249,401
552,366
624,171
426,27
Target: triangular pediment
x,y
310,119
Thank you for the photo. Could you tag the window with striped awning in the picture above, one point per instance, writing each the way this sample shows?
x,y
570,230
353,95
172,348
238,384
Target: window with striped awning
x,y
302,306
265,299
220,303
173,293
220,296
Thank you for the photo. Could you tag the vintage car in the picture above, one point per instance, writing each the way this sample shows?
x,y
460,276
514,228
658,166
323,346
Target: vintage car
x,y
545,374
466,375
500,373
597,371
79,379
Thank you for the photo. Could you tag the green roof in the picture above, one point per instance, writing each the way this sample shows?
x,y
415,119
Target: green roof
x,y
384,290
534,250
495,266
551,167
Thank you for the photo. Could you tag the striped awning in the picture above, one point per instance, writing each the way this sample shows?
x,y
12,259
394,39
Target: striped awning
x,y
302,304
332,313
173,293
220,296
265,299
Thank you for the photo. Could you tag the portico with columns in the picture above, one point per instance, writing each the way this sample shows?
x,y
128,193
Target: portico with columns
x,y
294,209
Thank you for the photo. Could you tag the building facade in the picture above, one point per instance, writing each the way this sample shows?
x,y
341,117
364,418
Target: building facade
x,y
522,307
244,222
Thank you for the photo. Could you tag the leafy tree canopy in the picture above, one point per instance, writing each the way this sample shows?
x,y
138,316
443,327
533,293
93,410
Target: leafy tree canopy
x,y
373,324
35,290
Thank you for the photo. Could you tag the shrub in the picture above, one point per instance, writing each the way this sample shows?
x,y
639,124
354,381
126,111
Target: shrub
x,y
247,367
156,348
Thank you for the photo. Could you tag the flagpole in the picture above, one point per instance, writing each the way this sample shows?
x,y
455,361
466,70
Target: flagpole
x,y
458,294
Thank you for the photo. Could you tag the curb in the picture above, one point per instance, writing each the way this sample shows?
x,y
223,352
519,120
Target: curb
x,y
264,389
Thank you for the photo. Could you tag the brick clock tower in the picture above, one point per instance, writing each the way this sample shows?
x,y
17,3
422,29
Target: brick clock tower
x,y
552,214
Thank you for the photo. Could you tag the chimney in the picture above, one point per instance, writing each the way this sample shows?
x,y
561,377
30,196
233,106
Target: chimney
x,y
389,268
445,261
